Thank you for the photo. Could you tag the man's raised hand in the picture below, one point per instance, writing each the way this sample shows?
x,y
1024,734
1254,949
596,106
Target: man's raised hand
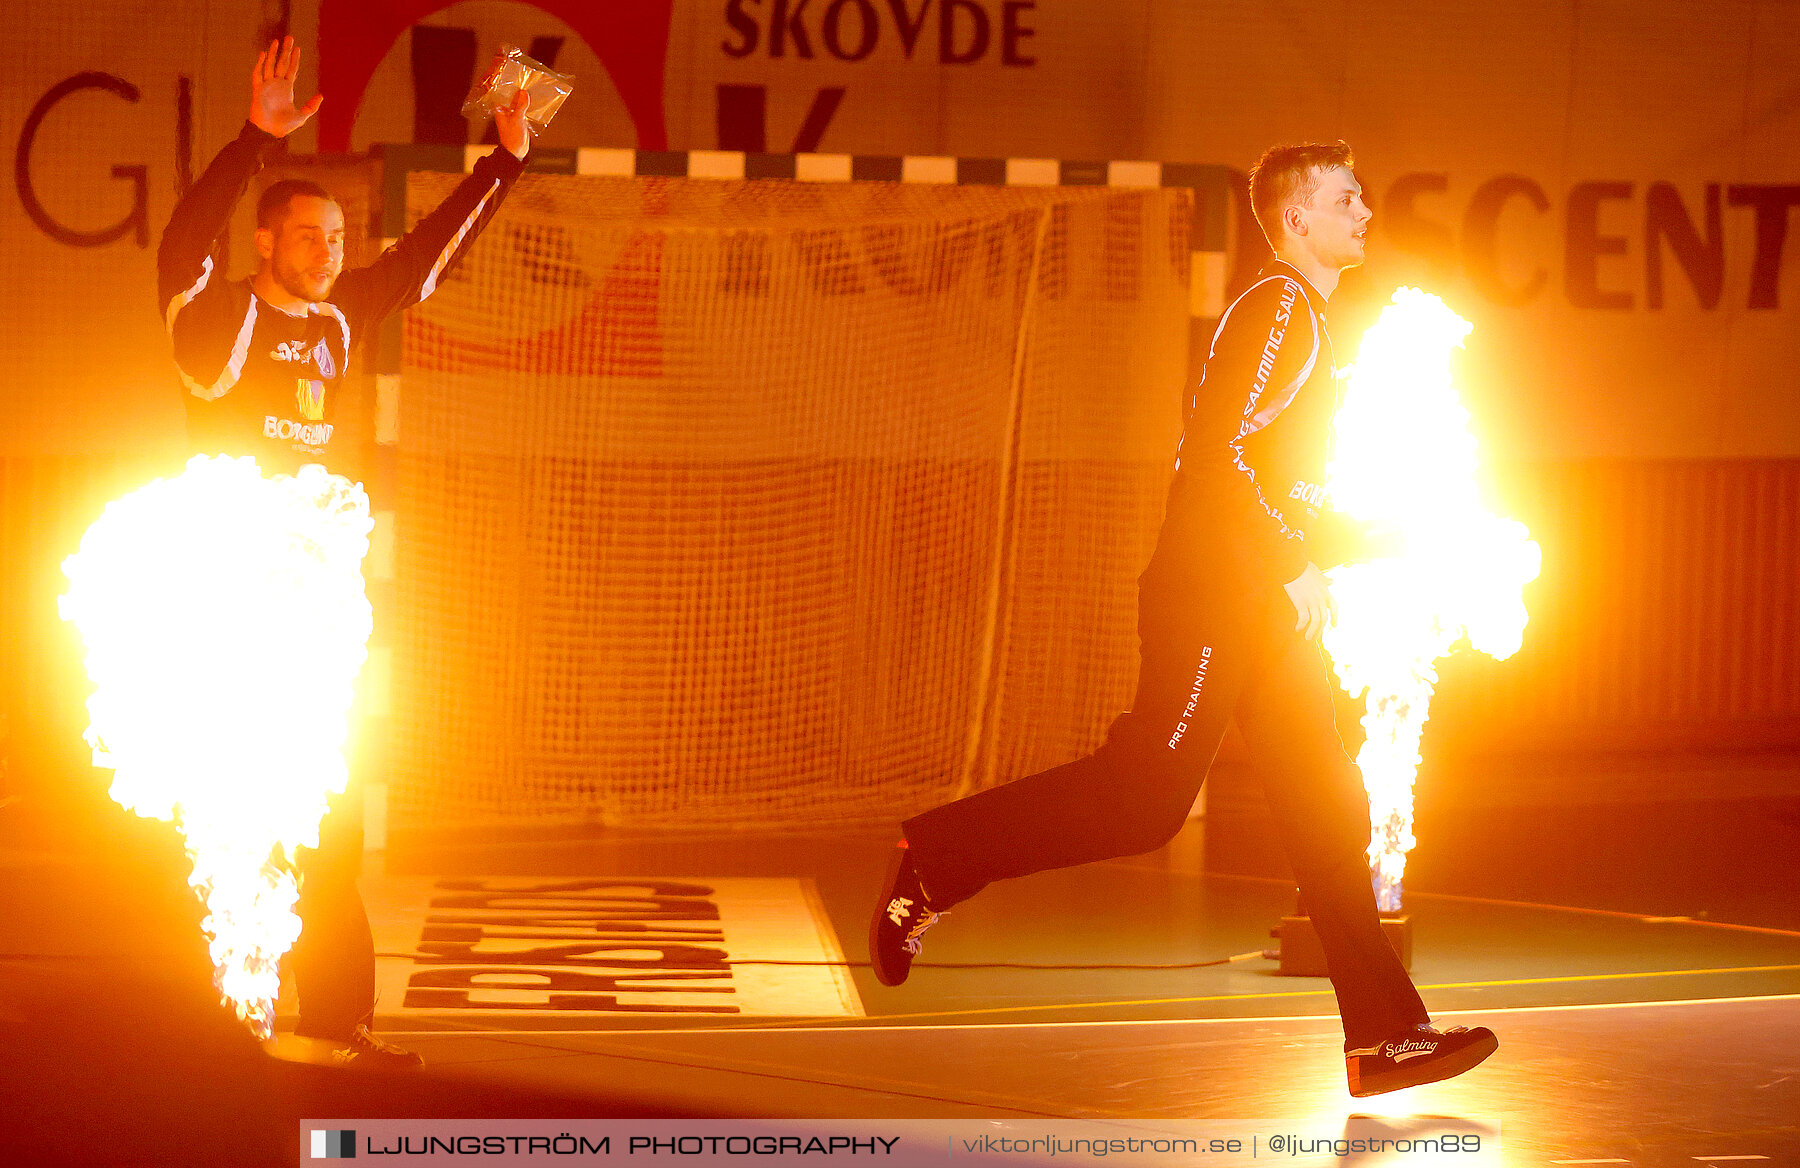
x,y
510,127
272,108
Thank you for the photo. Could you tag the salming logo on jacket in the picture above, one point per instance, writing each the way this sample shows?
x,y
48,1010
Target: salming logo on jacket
x,y
260,381
1254,449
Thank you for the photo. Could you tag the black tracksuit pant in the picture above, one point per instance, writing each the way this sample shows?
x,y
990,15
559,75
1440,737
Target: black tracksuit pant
x,y
334,959
1212,648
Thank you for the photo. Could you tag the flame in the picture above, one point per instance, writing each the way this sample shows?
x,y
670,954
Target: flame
x,y
225,621
1404,461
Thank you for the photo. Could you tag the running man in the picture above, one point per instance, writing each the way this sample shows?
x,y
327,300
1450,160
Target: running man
x,y
1229,613
262,361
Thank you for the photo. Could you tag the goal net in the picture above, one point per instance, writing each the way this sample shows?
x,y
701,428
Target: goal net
x,y
775,504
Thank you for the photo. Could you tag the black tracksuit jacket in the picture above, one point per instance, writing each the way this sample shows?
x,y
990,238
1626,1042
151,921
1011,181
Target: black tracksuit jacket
x,y
1251,466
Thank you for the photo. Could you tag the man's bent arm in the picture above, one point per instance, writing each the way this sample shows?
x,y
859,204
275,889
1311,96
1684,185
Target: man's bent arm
x,y
184,263
1257,350
411,270
1279,549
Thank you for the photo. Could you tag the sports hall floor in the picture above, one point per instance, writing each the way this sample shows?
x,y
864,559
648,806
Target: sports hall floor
x,y
1640,961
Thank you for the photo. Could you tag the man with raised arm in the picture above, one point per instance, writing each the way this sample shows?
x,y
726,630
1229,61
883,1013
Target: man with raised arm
x,y
261,361
1229,613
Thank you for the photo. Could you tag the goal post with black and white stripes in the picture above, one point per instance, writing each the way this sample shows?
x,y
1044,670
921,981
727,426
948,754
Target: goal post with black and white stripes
x,y
772,491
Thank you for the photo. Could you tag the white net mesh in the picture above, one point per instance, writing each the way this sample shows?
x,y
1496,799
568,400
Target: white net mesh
x,y
772,504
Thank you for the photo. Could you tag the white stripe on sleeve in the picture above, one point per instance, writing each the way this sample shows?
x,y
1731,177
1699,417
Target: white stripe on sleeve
x,y
462,233
180,300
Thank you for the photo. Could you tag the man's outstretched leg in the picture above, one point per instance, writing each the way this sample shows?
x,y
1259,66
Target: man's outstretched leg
x,y
1322,811
1130,796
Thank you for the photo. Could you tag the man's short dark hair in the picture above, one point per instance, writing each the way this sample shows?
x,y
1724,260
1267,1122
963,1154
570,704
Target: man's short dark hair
x,y
1286,175
272,208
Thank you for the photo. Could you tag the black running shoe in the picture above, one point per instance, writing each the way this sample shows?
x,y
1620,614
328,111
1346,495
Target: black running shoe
x,y
360,1051
1419,1055
901,915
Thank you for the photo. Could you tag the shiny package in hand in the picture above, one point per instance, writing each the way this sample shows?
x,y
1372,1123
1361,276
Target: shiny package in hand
x,y
512,71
